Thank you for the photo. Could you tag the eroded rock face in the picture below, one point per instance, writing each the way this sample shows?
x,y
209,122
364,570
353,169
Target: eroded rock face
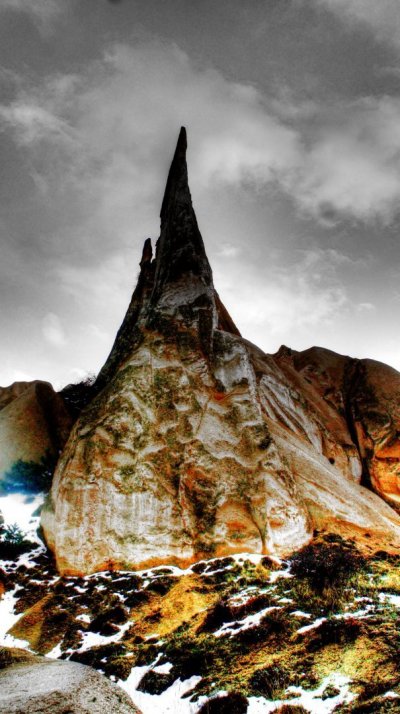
x,y
34,426
198,443
366,396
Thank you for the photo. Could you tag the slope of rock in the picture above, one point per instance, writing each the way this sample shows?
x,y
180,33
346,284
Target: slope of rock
x,y
43,685
366,396
34,426
198,443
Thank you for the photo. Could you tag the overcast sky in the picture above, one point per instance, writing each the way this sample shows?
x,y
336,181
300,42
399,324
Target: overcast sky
x,y
293,115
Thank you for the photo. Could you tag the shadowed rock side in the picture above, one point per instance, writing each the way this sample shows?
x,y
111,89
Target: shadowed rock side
x,y
198,443
366,395
34,426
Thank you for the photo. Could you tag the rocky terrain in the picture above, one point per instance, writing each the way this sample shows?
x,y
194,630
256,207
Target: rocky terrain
x,y
221,532
316,633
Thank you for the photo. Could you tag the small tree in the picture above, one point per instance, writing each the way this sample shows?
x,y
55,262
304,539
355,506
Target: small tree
x,y
12,534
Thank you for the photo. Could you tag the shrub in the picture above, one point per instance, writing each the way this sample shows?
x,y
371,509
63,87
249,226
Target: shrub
x,y
334,631
327,565
77,396
13,543
270,682
155,682
232,703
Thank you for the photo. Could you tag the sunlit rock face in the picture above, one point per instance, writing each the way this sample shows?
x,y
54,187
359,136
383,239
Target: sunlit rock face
x,y
197,443
34,426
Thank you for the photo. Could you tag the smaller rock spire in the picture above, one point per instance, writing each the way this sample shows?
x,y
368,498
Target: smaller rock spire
x,y
177,284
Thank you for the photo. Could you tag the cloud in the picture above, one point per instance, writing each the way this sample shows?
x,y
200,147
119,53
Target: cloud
x,y
41,12
352,166
98,140
32,123
53,331
382,17
286,299
366,307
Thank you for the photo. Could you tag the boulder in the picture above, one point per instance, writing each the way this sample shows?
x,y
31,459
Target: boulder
x,y
37,685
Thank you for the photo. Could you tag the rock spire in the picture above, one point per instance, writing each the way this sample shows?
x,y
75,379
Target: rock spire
x,y
177,283
198,444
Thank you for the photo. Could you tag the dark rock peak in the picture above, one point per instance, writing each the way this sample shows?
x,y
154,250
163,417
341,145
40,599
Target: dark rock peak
x,y
177,177
147,253
175,285
180,249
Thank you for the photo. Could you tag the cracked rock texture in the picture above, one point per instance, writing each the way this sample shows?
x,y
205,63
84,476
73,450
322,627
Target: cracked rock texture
x,y
197,443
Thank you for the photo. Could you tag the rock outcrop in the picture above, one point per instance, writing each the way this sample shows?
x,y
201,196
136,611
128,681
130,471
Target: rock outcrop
x,y
35,685
200,444
34,427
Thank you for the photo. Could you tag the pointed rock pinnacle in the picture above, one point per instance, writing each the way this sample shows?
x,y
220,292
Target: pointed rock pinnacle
x,y
177,284
180,248
177,177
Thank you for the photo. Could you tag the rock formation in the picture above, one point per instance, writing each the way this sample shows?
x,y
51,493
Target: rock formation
x,y
34,426
199,444
35,685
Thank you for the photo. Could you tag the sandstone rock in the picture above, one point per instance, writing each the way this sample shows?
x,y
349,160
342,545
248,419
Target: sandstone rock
x,y
8,394
34,426
36,685
366,394
197,442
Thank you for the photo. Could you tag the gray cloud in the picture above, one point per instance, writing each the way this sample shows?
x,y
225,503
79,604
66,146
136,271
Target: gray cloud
x,y
42,12
350,167
382,17
53,331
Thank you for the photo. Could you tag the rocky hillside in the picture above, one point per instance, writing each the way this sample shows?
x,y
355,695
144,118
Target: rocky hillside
x,y
197,444
317,633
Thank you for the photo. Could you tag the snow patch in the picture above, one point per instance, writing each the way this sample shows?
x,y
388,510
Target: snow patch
x,y
168,702
93,639
8,619
232,628
309,699
313,625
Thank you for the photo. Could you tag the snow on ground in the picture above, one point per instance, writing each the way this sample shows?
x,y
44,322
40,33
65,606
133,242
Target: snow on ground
x,y
8,619
232,628
19,508
93,639
169,702
313,625
300,613
390,598
309,699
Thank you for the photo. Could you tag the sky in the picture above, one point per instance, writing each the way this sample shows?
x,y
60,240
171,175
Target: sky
x,y
292,109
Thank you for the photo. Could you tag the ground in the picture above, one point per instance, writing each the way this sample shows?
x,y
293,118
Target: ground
x,y
318,632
